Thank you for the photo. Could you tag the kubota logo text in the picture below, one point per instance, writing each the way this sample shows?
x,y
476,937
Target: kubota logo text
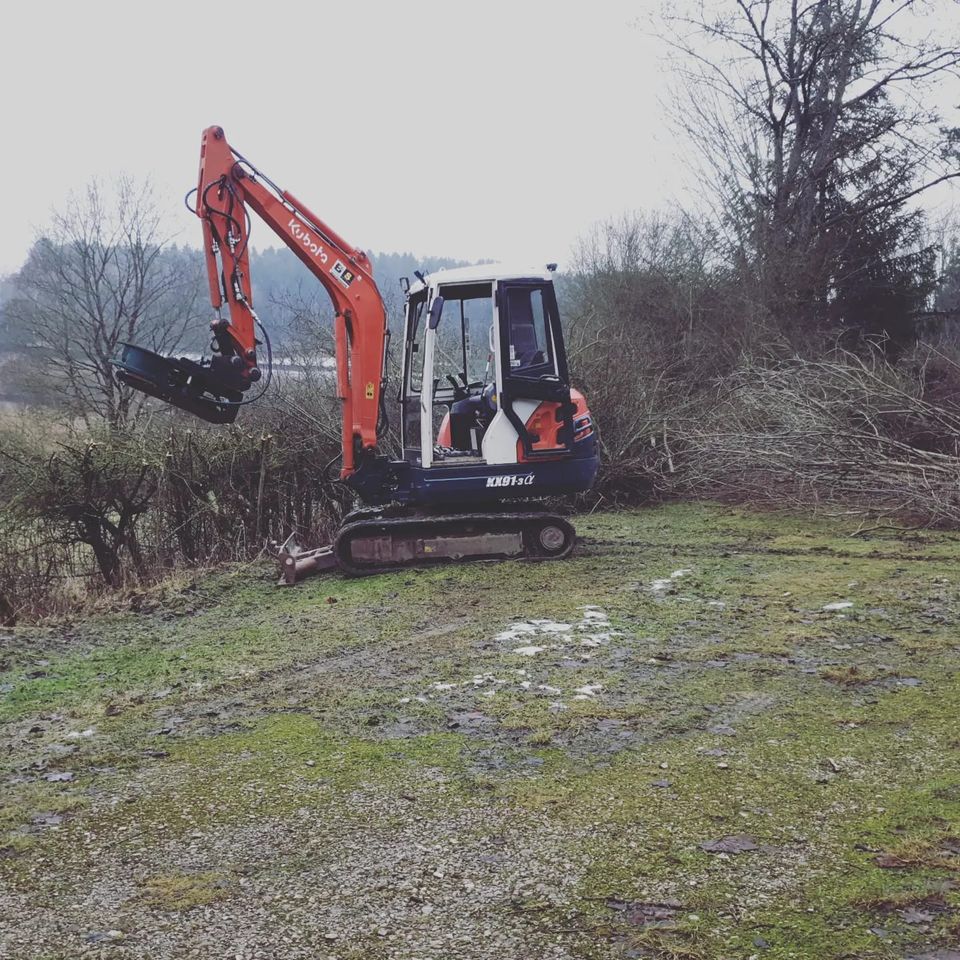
x,y
511,480
307,240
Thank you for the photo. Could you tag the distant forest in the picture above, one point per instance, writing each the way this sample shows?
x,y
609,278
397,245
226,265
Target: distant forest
x,y
283,287
284,290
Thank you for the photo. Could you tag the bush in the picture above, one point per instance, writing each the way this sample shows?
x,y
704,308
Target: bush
x,y
106,508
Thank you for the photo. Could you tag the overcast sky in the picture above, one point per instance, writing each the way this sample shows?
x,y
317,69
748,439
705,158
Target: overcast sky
x,y
489,129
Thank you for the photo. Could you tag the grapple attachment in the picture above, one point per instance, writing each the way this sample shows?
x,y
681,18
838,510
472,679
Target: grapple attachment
x,y
209,389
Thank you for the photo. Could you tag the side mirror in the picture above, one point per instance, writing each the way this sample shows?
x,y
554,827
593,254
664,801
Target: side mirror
x,y
436,308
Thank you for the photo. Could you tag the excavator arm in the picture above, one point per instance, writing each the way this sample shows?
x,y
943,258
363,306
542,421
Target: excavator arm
x,y
227,189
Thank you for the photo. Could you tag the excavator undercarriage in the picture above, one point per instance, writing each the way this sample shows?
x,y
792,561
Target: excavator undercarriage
x,y
371,542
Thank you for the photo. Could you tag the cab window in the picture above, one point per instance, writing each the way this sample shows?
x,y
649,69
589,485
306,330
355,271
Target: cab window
x,y
462,335
528,325
415,344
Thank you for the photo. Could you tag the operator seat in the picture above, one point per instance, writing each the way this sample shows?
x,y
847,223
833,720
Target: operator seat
x,y
464,418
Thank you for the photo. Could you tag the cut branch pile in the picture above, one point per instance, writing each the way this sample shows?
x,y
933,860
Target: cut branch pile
x,y
844,431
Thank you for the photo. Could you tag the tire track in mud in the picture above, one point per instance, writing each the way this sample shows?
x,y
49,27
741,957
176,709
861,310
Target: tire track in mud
x,y
597,547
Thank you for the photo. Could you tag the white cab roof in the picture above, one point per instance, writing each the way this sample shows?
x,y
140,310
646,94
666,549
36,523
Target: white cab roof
x,y
481,272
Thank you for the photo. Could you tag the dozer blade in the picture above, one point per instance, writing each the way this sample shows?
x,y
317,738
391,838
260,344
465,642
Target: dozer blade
x,y
297,563
181,382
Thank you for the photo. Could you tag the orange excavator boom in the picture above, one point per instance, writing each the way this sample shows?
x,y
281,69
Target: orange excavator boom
x,y
227,186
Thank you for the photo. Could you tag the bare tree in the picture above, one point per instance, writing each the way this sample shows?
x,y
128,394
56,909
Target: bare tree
x,y
102,274
646,311
814,131
644,281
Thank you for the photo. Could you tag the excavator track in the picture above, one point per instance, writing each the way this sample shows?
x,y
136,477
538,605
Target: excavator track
x,y
373,545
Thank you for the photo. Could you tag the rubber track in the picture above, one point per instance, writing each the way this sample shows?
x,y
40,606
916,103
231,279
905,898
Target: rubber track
x,y
423,525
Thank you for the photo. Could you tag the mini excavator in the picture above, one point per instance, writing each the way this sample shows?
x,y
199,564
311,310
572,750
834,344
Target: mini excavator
x,y
490,425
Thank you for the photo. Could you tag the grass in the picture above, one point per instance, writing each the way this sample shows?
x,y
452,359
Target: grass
x,y
729,703
184,891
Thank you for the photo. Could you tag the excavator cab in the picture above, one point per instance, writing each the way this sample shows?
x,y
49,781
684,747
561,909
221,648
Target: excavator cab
x,y
488,412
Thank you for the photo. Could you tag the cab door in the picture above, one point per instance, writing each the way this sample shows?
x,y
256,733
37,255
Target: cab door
x,y
418,387
535,415
409,394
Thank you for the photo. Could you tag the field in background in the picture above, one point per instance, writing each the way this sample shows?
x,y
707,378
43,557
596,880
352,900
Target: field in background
x,y
712,733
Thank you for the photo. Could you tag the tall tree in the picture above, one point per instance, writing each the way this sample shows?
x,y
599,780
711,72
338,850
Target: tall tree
x,y
812,123
101,275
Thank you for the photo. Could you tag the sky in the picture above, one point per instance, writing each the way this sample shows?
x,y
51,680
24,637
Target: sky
x,y
482,130
492,129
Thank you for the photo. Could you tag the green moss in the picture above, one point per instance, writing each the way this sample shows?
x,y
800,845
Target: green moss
x,y
276,766
850,676
179,892
36,800
813,815
829,737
